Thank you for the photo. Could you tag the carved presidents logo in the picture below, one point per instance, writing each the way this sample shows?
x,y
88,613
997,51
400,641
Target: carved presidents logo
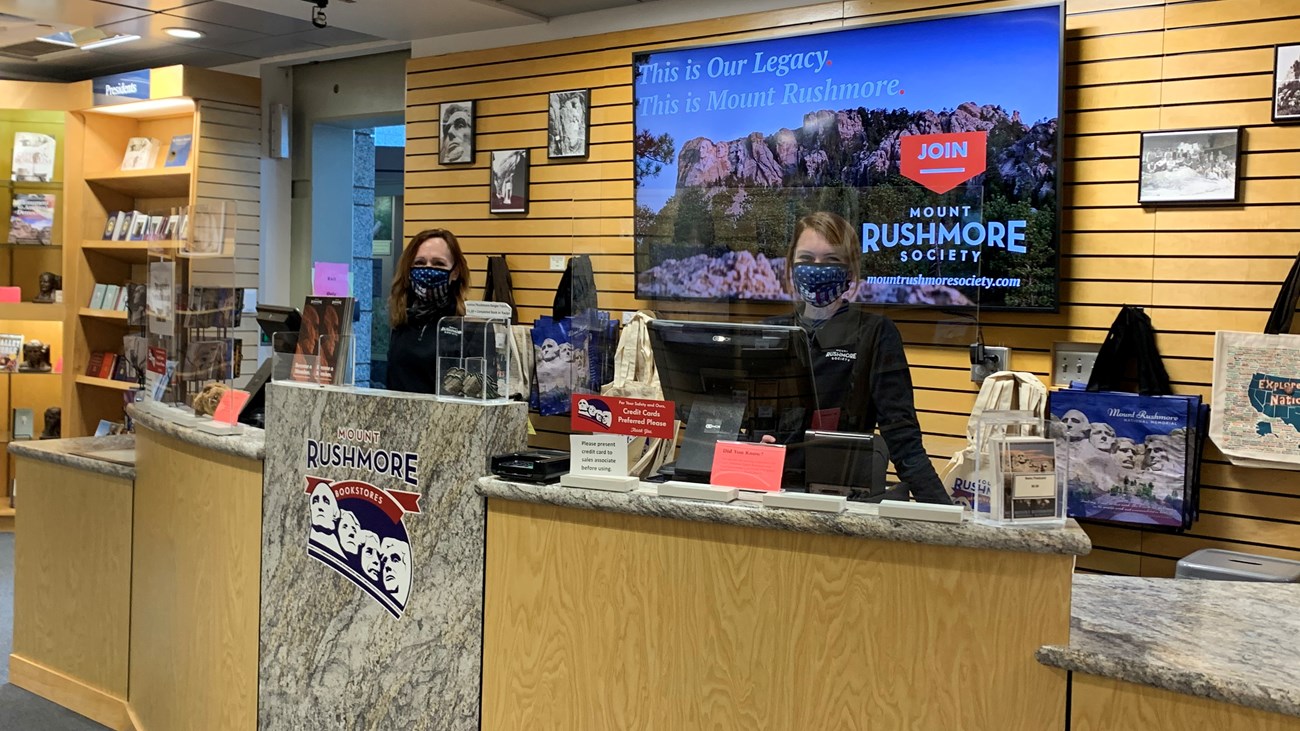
x,y
357,530
942,162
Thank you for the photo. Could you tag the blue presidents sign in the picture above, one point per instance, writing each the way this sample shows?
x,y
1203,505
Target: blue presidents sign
x,y
120,88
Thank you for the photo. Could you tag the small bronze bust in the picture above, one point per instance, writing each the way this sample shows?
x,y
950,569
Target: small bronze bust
x,y
36,358
53,423
48,283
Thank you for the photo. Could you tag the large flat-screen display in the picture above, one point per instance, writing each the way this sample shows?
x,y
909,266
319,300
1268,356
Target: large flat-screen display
x,y
937,139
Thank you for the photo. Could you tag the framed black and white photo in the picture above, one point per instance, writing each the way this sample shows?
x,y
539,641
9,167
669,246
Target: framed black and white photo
x,y
1286,83
1189,166
456,133
509,192
568,120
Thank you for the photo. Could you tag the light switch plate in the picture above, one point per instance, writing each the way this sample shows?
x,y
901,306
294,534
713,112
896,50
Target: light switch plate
x,y
1073,362
557,263
627,316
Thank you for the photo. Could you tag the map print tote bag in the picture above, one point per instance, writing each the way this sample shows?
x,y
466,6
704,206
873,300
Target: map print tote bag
x,y
1255,418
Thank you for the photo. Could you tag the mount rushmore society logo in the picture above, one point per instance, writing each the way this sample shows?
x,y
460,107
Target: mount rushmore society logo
x,y
357,527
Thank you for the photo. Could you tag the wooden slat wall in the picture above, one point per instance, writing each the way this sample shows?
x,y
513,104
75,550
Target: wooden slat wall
x,y
1132,65
229,169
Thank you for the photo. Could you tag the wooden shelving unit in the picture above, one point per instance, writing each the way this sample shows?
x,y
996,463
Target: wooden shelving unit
x,y
221,113
47,112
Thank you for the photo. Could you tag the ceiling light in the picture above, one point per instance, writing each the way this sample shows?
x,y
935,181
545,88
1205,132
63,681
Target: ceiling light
x,y
113,41
62,38
188,34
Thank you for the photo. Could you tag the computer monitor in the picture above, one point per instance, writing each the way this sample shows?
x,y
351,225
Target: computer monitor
x,y
750,378
272,320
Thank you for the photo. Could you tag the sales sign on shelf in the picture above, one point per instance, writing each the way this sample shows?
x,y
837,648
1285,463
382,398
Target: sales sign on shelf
x,y
632,417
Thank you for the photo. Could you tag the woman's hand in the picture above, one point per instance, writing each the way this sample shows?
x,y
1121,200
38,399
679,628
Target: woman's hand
x,y
768,439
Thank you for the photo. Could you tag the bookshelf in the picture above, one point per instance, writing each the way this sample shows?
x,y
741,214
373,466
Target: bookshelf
x,y
221,114
21,264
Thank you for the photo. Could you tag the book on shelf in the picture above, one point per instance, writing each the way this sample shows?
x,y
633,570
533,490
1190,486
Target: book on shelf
x,y
110,296
207,360
135,303
24,423
209,235
95,363
123,294
139,226
33,160
212,307
158,373
169,228
178,152
135,354
156,224
323,340
141,153
123,230
110,225
11,352
32,219
97,296
123,370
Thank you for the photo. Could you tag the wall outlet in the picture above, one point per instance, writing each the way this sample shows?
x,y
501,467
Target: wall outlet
x,y
1073,362
557,262
995,359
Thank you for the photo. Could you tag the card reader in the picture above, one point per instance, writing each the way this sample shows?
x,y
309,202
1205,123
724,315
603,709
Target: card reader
x,y
541,466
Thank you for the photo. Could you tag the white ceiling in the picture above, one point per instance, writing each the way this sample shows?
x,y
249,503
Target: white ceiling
x,y
240,31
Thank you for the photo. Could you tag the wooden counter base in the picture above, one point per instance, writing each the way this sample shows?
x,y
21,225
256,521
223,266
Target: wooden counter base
x,y
1106,704
72,694
598,620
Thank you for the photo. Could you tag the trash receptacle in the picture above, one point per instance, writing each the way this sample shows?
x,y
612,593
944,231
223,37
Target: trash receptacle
x,y
1214,563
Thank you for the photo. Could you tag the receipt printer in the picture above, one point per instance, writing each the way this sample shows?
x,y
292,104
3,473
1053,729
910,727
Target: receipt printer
x,y
845,463
534,465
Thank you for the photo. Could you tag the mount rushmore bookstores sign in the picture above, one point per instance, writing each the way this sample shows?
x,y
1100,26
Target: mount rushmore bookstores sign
x,y
357,527
936,139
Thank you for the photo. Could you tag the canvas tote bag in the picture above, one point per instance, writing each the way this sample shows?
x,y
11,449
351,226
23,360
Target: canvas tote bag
x,y
635,376
1002,391
1255,396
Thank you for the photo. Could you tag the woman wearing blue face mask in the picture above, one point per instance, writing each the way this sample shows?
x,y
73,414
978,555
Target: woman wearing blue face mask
x,y
431,281
859,365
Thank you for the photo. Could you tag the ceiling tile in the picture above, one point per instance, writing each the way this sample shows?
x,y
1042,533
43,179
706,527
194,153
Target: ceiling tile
x,y
275,46
332,36
154,5
79,13
237,16
216,37
556,8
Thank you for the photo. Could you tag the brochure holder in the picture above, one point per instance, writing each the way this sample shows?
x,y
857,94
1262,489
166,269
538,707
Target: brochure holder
x,y
473,360
327,360
192,309
1019,471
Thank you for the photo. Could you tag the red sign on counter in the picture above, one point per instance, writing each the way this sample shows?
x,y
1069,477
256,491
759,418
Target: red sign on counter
x,y
634,417
944,161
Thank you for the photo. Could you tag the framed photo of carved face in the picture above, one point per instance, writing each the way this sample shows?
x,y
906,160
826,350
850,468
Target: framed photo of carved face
x,y
1286,83
509,193
568,123
456,133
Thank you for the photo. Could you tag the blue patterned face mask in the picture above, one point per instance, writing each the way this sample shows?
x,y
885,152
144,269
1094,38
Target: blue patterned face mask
x,y
821,284
430,289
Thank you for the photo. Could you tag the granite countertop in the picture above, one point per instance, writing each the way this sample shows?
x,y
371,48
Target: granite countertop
x,y
1068,540
79,453
1230,641
249,444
